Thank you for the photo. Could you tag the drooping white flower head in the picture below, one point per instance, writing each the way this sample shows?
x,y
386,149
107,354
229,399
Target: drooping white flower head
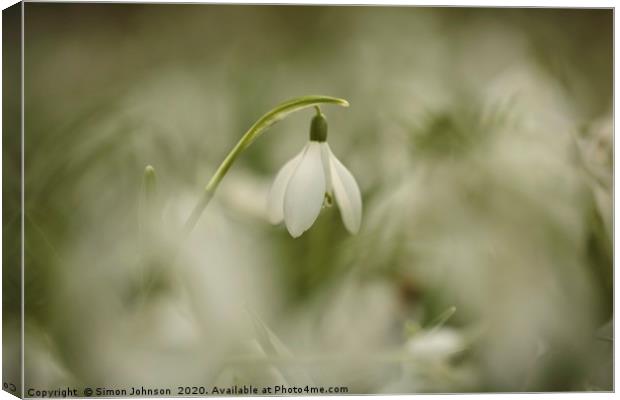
x,y
305,181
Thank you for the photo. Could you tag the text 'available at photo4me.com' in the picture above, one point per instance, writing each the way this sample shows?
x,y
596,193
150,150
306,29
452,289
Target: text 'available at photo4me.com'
x,y
141,391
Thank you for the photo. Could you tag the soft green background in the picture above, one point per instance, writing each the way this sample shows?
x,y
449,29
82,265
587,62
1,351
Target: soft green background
x,y
480,138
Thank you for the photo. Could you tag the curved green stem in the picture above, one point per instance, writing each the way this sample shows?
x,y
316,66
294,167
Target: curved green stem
x,y
264,122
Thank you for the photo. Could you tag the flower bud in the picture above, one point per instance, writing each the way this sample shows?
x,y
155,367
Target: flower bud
x,y
318,128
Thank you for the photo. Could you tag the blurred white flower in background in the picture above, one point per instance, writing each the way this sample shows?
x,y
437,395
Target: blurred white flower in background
x,y
435,345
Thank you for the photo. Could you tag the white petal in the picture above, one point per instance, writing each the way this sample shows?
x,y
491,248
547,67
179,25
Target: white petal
x,y
275,201
347,195
305,192
325,156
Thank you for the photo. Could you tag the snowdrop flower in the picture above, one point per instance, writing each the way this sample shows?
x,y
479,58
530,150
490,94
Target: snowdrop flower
x,y
310,179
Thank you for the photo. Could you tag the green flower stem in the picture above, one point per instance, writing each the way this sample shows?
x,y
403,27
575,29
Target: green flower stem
x,y
441,319
270,118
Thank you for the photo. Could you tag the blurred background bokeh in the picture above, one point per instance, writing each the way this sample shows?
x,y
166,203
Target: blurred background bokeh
x,y
481,140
